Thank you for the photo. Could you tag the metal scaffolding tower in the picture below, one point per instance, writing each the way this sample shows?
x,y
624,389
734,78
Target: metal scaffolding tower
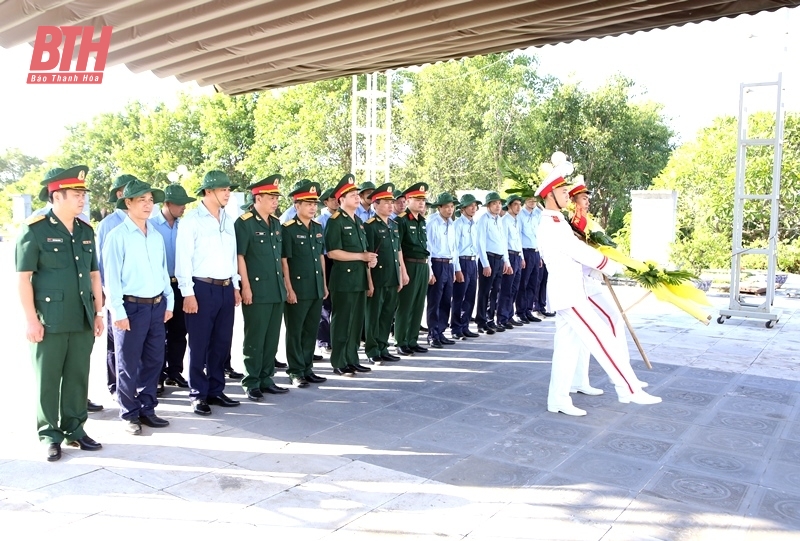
x,y
738,305
372,126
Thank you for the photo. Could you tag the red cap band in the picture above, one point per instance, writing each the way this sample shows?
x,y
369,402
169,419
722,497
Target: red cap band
x,y
416,193
344,189
305,195
382,195
555,183
267,188
65,183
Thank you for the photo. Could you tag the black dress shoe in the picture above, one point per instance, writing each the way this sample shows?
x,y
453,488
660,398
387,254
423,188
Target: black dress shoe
x,y
522,320
153,421
274,389
200,407
446,341
134,428
233,374
86,444
405,351
422,328
91,407
375,360
549,314
458,336
358,368
507,325
177,381
299,382
317,357
531,318
469,334
497,328
419,349
389,357
515,322
313,378
435,343
279,364
53,452
486,330
222,400
254,394
346,371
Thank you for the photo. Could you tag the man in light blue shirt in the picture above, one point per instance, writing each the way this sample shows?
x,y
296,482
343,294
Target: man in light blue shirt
x,y
399,204
493,261
510,282
140,301
442,247
465,265
107,224
364,210
166,223
529,289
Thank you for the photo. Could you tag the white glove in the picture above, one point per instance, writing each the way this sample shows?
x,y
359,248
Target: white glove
x,y
612,268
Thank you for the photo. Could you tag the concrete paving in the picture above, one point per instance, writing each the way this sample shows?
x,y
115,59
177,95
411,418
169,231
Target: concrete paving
x,y
454,444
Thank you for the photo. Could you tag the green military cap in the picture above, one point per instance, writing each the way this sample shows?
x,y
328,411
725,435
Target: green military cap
x,y
384,191
59,178
513,197
466,200
493,196
119,182
269,185
174,193
248,201
366,186
300,183
420,189
308,191
345,185
326,194
137,188
443,199
215,179
398,194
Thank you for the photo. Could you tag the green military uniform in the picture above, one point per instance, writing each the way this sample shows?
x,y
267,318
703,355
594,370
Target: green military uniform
x,y
383,239
62,264
411,299
302,249
259,240
347,283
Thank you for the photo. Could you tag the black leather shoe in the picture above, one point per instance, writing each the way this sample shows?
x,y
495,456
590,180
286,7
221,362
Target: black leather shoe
x,y
299,382
435,344
222,400
515,323
549,314
458,336
153,421
53,452
279,364
177,381
496,327
531,318
422,328
469,334
346,371
134,428
405,351
446,341
522,320
486,330
200,407
233,374
391,358
313,378
91,407
507,325
419,349
358,368
86,444
317,357
375,360
274,389
254,394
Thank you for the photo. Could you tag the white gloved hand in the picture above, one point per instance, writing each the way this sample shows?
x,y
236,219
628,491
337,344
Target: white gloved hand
x,y
612,268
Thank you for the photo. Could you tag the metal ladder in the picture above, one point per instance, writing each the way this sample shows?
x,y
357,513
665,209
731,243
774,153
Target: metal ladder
x,y
738,306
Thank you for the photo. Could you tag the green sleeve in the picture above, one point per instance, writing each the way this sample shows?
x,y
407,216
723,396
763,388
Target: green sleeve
x,y
242,237
333,235
370,232
286,250
27,254
90,236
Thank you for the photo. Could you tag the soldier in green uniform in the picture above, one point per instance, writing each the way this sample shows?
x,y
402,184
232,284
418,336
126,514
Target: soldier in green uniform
x,y
413,243
59,287
259,248
346,243
304,277
386,278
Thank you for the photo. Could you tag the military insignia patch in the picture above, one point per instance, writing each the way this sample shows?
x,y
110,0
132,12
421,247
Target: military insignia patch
x,y
555,219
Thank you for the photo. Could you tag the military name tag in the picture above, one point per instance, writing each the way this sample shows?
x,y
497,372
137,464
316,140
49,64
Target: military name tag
x,y
319,235
87,242
381,231
301,236
260,233
348,227
54,239
412,226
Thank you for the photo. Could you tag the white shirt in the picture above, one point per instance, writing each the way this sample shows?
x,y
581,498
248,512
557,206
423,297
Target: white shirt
x,y
565,257
206,248
513,224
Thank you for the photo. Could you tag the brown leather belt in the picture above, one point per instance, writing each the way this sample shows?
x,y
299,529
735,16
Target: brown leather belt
x,y
441,260
412,260
143,300
214,281
494,256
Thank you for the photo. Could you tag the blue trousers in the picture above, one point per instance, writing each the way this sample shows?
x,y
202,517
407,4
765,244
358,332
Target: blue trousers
x,y
529,282
509,286
540,296
440,296
464,296
486,285
111,362
140,358
176,338
210,336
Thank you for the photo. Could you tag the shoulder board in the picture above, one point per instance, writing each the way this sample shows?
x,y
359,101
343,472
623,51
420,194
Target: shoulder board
x,y
335,215
80,217
371,220
246,216
402,214
288,222
33,219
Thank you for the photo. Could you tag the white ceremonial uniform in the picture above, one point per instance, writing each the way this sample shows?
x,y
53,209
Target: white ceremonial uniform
x,y
577,321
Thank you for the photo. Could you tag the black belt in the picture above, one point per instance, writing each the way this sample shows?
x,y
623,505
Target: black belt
x,y
214,281
494,256
412,260
142,300
173,280
512,252
441,260
530,249
467,257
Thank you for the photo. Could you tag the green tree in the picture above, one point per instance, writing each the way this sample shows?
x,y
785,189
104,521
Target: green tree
x,y
14,164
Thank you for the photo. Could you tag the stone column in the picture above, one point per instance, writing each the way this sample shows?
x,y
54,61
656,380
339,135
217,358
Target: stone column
x,y
21,207
653,221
